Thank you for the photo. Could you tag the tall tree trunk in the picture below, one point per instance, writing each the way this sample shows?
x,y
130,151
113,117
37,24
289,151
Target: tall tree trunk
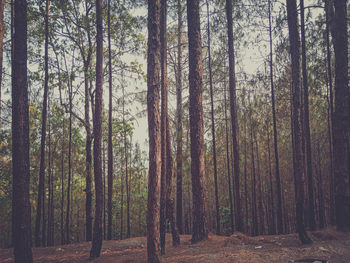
x,y
97,231
2,33
341,117
272,225
260,202
62,183
88,142
21,219
233,110
330,114
199,231
121,203
69,162
277,172
153,87
295,122
179,131
217,206
126,169
163,117
41,187
228,162
255,230
311,206
110,146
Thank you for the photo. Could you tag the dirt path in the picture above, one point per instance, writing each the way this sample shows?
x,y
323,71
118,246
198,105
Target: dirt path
x,y
328,245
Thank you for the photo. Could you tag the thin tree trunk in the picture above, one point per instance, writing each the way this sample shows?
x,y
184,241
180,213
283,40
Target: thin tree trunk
x,y
228,163
87,64
2,33
153,87
233,110
272,226
260,202
21,219
179,131
217,206
199,231
330,115
97,231
62,183
296,115
69,163
110,146
41,187
311,206
277,172
163,117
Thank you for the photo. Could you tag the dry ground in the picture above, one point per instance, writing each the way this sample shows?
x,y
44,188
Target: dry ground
x,y
328,245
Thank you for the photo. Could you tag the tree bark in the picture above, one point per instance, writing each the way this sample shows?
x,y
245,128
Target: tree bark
x,y
110,146
217,206
41,187
341,117
228,163
97,231
233,110
153,87
277,172
311,199
21,218
295,122
199,231
179,131
163,117
2,33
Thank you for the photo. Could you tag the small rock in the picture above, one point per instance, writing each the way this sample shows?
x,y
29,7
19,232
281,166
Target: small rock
x,y
258,247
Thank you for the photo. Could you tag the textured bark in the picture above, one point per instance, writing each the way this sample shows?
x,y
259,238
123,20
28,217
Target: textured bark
x,y
277,172
62,184
110,146
2,33
233,110
41,186
69,162
153,87
341,117
179,122
217,206
295,120
97,230
307,136
272,225
88,142
228,164
255,227
21,225
199,231
330,114
260,199
163,117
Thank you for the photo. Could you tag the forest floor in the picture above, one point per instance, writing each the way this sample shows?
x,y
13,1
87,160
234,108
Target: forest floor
x,y
327,244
